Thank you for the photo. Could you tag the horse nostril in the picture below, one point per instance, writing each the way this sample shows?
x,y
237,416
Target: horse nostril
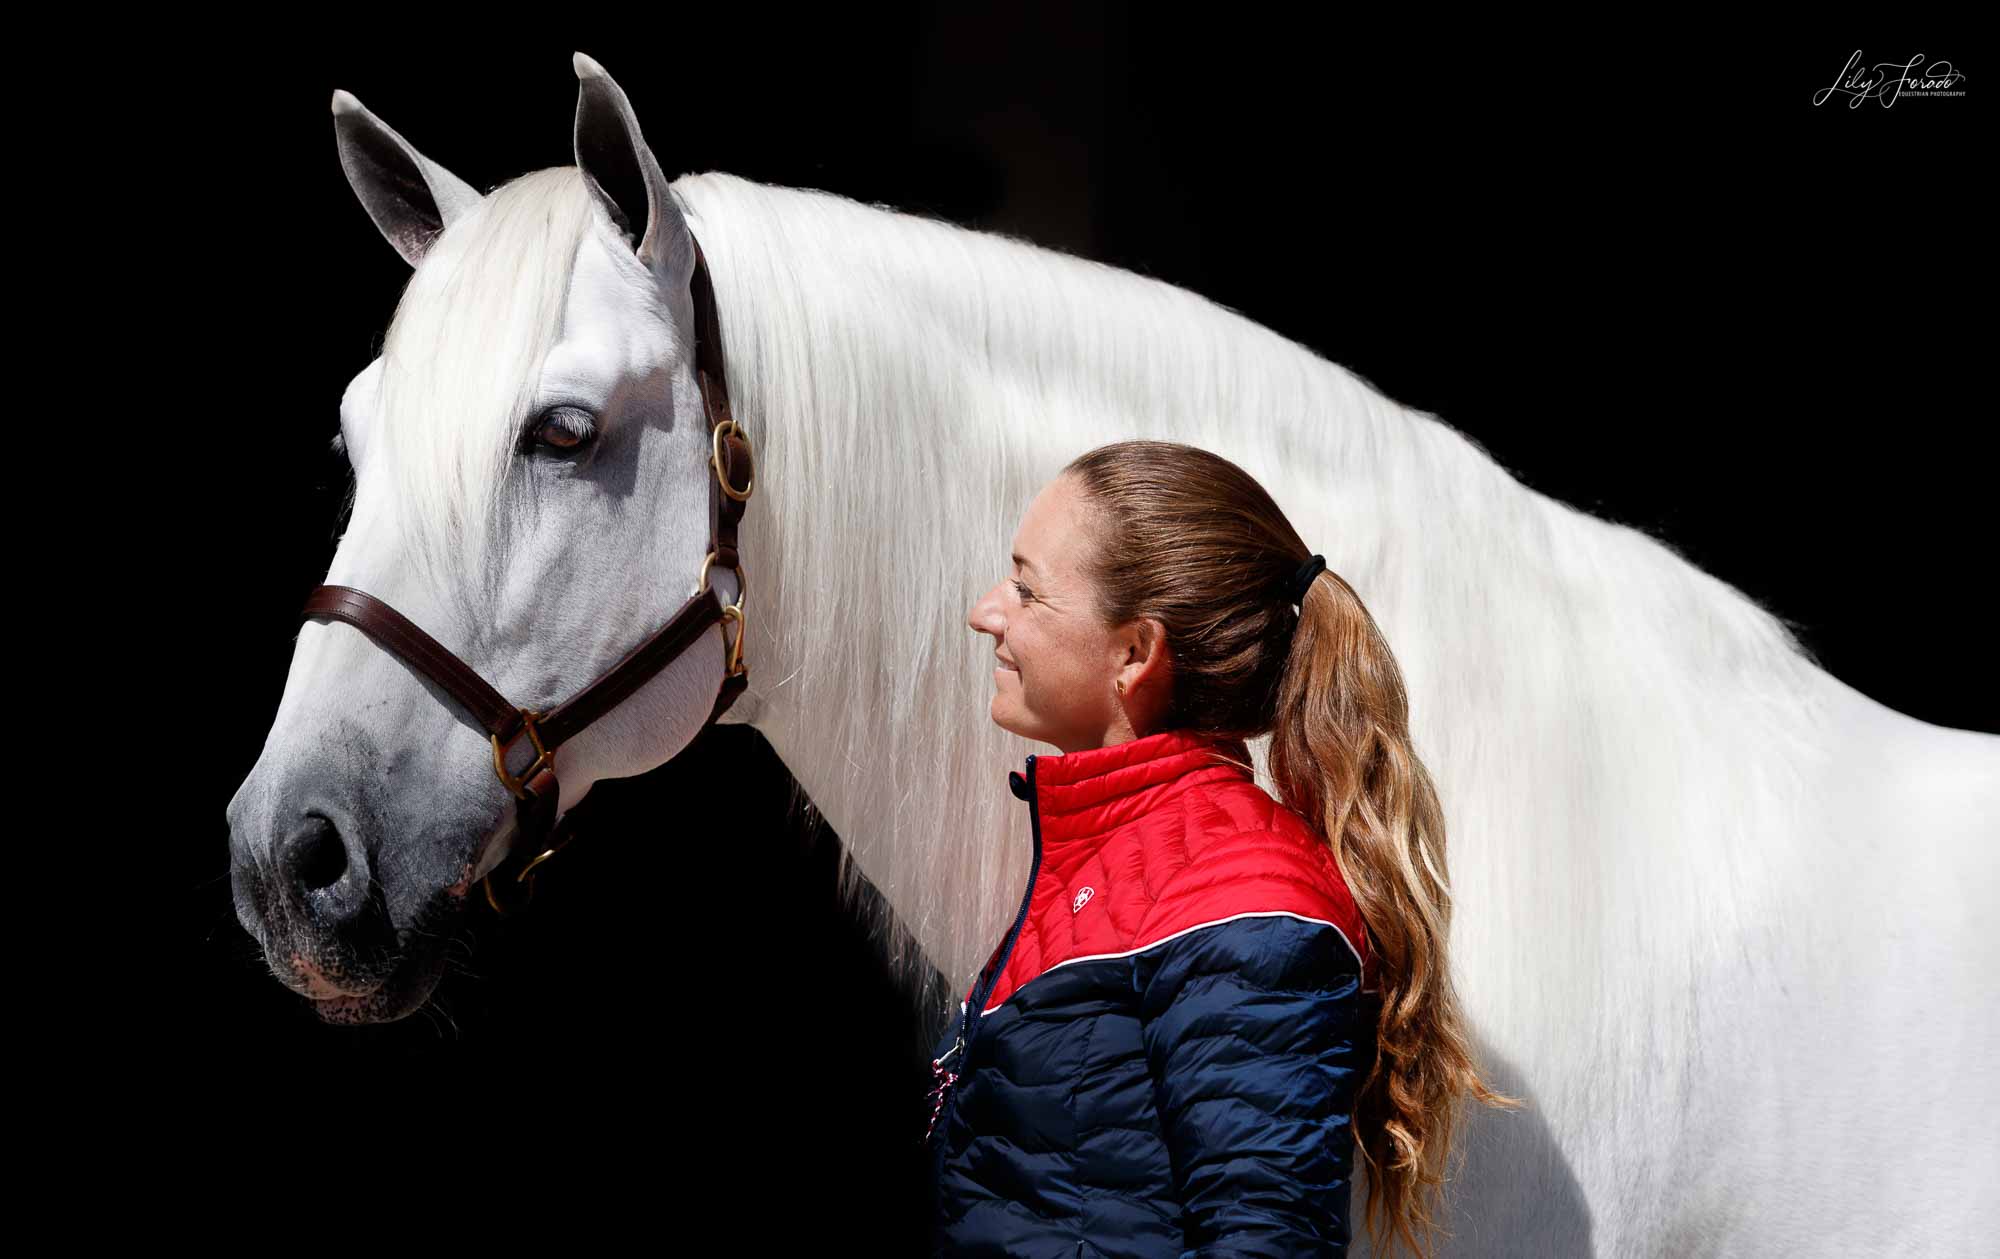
x,y
328,877
313,857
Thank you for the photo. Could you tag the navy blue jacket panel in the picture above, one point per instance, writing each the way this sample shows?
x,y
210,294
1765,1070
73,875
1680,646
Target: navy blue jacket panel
x,y
1176,1080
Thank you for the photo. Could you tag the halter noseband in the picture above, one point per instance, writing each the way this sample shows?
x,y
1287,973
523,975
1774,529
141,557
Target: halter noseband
x,y
535,789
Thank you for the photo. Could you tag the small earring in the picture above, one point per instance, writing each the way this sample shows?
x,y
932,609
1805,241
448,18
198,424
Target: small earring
x,y
1120,684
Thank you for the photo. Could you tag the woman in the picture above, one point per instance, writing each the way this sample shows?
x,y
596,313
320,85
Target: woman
x,y
1204,1003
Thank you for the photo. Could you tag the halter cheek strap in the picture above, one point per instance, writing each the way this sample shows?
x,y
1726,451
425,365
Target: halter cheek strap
x,y
535,788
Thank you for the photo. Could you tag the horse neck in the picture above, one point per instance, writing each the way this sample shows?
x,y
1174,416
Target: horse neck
x,y
912,385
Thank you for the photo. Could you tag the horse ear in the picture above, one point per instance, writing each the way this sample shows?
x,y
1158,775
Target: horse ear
x,y
624,177
411,198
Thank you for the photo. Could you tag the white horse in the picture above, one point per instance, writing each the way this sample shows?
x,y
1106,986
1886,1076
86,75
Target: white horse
x,y
1719,916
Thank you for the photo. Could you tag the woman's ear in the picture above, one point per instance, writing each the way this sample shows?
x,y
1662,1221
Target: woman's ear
x,y
1146,666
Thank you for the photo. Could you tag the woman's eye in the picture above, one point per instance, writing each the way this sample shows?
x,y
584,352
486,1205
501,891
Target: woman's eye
x,y
1025,593
564,429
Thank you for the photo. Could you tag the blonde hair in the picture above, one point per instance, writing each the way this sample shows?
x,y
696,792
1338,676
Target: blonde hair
x,y
1195,541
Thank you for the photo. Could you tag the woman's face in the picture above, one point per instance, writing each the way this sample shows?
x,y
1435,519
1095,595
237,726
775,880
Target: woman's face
x,y
1057,664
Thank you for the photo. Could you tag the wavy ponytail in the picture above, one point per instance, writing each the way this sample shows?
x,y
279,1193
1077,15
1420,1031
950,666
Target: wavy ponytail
x,y
1341,758
1191,539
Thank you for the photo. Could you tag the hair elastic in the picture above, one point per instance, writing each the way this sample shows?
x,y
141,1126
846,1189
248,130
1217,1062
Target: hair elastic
x,y
1302,580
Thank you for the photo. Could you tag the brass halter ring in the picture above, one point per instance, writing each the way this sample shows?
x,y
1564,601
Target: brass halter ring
x,y
522,877
742,585
715,461
530,867
731,611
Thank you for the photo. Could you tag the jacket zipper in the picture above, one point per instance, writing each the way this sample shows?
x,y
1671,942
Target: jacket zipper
x,y
1034,872
989,978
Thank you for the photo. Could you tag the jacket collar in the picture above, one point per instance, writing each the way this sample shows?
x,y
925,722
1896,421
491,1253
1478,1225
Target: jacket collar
x,y
1080,795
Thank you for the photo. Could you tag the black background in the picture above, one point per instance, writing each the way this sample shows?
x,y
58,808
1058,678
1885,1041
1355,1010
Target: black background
x,y
1646,273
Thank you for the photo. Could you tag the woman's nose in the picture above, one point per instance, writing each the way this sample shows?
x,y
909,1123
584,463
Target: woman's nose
x,y
981,617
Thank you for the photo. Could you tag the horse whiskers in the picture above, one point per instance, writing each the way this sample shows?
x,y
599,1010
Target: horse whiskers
x,y
454,967
208,882
432,1004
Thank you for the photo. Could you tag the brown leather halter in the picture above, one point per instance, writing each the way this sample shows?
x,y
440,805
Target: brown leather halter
x,y
535,788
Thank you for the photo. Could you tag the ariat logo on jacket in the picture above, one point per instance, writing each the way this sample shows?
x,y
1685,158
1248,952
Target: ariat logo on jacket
x,y
1082,899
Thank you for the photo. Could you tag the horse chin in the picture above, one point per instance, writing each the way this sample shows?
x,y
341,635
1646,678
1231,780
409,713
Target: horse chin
x,y
415,975
400,995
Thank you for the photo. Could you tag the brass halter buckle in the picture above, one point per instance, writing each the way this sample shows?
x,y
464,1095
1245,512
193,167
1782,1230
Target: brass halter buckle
x,y
715,460
517,786
542,755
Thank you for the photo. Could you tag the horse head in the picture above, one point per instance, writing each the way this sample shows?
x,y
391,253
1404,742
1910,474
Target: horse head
x,y
531,489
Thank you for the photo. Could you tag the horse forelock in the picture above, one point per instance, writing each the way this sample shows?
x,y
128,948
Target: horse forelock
x,y
461,361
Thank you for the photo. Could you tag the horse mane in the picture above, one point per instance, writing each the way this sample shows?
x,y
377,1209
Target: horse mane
x,y
913,383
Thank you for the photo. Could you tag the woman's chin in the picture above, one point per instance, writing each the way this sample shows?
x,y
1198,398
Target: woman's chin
x,y
1003,716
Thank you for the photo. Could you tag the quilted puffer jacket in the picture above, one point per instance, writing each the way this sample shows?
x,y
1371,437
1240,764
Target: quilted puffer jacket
x,y
1161,1057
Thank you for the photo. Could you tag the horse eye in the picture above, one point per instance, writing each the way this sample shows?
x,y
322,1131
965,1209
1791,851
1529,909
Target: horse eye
x,y
564,429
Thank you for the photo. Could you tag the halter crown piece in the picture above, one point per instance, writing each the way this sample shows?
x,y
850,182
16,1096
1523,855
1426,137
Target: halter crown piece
x,y
1302,580
534,788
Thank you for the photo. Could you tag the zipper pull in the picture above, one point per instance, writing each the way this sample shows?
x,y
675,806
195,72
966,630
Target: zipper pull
x,y
945,1079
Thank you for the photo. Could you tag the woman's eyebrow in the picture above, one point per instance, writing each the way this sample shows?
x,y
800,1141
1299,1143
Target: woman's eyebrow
x,y
1027,564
